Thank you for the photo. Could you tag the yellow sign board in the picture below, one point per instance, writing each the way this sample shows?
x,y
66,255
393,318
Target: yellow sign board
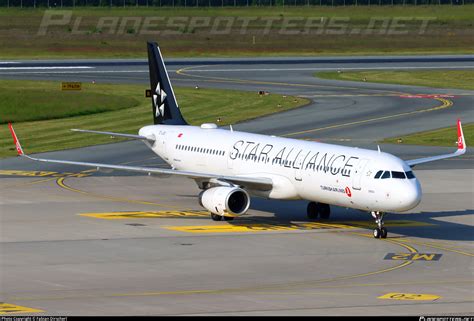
x,y
410,297
71,86
6,308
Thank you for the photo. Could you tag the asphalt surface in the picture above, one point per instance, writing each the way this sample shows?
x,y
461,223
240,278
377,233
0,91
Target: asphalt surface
x,y
115,243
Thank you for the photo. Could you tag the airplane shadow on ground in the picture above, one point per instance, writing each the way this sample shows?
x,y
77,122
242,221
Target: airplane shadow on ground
x,y
286,212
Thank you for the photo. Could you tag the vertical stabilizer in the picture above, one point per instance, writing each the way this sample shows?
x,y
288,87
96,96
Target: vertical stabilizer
x,y
165,107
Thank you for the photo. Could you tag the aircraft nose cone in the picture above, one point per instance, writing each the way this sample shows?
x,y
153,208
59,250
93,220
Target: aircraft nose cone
x,y
412,196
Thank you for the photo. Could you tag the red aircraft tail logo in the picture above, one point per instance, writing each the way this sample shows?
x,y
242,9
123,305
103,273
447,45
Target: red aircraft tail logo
x,y
460,136
15,140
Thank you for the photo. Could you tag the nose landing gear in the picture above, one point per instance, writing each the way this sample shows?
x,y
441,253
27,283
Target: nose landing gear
x,y
380,231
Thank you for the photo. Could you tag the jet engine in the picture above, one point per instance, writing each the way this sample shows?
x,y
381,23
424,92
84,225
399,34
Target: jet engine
x,y
225,201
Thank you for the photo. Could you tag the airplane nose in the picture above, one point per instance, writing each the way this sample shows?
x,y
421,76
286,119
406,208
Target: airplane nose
x,y
412,196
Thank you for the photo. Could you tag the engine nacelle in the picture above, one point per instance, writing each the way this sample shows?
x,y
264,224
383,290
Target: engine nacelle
x,y
225,201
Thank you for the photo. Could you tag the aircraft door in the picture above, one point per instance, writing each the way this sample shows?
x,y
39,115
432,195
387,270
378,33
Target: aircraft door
x,y
358,173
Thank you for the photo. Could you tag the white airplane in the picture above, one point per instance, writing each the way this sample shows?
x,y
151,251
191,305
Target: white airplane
x,y
229,166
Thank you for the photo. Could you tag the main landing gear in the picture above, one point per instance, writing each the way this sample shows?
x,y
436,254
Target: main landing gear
x,y
216,217
318,209
380,231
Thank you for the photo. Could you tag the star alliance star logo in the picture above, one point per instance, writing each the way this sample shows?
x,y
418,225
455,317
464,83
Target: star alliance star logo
x,y
160,111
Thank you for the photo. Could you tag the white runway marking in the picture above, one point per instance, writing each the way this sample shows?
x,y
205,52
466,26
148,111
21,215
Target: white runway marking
x,y
72,72
45,68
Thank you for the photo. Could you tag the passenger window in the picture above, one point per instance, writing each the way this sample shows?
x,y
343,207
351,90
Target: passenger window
x,y
399,175
410,175
386,174
379,173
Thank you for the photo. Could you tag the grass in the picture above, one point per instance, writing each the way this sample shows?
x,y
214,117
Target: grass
x,y
197,106
438,137
27,101
450,31
459,79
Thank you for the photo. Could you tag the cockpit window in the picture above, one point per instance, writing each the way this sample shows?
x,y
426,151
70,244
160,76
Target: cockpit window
x,y
386,174
379,173
400,175
410,175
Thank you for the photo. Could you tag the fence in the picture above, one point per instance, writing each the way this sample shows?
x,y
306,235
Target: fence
x,y
220,3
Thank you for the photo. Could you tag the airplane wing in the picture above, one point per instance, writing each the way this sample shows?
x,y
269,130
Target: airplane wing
x,y
460,151
129,136
259,183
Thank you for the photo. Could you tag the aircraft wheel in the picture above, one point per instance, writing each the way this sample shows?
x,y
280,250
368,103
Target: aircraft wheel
x,y
377,233
312,210
216,217
228,218
324,211
380,231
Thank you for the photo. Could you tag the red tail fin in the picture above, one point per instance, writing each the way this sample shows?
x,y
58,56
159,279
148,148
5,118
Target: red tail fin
x,y
15,140
461,144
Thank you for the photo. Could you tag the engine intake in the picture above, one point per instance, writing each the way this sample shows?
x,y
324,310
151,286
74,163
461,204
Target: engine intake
x,y
225,201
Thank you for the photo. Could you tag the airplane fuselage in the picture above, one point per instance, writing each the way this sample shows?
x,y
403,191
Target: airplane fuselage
x,y
325,173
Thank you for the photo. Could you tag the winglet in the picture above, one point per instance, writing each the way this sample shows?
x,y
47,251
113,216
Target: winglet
x,y
462,146
15,140
461,142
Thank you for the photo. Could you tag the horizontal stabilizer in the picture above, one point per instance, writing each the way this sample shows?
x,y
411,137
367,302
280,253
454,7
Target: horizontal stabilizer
x,y
129,136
